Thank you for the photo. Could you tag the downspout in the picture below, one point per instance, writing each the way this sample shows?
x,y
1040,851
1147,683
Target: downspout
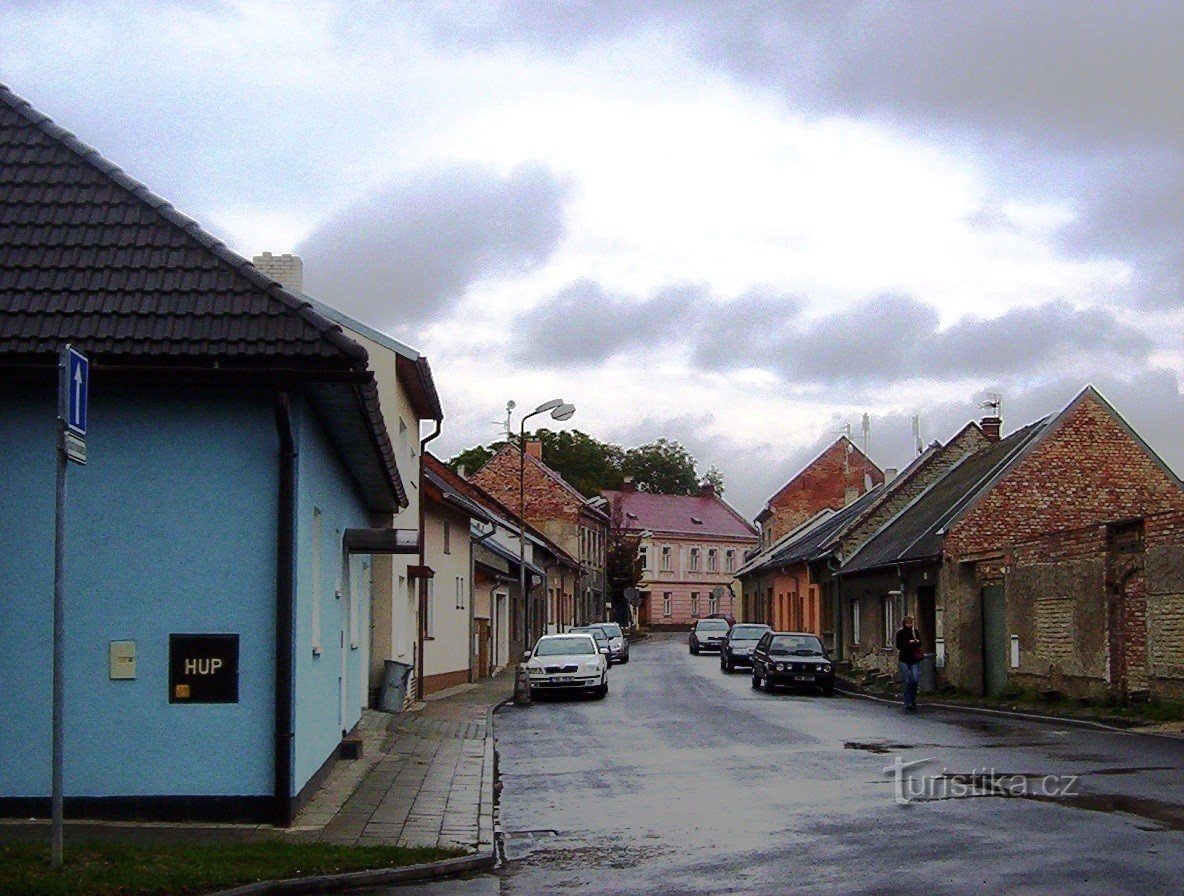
x,y
421,585
473,591
284,605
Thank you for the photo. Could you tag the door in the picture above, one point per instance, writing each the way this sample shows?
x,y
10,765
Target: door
x,y
482,648
994,640
927,616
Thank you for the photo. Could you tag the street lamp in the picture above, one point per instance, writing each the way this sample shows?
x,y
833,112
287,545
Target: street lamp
x,y
559,411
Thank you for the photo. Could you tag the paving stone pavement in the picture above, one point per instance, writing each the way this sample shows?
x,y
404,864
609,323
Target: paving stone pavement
x,y
425,778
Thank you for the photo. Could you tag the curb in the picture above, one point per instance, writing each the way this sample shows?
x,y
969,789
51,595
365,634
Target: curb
x,y
1016,714
375,877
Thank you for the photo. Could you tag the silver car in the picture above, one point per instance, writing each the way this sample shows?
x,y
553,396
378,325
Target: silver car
x,y
618,644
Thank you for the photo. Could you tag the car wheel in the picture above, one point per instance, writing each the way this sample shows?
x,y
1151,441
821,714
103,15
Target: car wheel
x,y
828,691
756,681
602,691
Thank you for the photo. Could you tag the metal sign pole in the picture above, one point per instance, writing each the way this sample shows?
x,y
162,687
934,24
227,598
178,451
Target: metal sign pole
x,y
59,599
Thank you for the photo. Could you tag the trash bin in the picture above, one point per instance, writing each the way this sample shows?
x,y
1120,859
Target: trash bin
x,y
394,686
928,682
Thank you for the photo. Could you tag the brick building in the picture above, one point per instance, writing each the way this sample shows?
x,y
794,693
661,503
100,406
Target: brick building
x,y
834,479
1048,557
561,514
691,547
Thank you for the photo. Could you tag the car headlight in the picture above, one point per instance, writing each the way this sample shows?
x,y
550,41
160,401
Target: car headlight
x,y
823,667
591,667
780,667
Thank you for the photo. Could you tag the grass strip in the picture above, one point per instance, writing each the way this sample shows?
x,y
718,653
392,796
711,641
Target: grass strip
x,y
123,869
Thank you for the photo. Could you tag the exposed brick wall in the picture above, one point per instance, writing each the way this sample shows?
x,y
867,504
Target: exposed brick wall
x,y
545,499
826,482
1088,470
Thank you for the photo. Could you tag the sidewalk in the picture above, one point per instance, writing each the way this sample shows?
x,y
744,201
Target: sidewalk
x,y
425,777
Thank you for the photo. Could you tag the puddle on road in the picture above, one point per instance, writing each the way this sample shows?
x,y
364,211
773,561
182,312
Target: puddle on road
x,y
1168,816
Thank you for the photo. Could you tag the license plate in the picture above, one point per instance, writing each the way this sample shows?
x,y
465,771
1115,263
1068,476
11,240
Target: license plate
x,y
563,678
803,678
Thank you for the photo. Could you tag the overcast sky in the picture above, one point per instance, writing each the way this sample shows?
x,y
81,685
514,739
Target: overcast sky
x,y
738,225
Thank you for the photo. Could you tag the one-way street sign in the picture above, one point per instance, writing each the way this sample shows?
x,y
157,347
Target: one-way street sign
x,y
77,377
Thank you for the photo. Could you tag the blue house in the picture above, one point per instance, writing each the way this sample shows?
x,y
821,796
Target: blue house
x,y
216,617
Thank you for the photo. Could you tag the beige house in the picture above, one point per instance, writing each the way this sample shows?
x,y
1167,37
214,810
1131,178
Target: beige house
x,y
408,399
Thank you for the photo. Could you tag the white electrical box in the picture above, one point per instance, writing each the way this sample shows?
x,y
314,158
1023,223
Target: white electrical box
x,y
122,657
1015,651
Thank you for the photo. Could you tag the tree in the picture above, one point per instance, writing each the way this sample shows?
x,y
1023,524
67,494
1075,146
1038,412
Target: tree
x,y
662,467
473,459
587,464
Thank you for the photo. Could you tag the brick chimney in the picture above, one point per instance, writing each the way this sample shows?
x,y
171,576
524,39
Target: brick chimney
x,y
534,448
991,427
288,269
629,486
707,490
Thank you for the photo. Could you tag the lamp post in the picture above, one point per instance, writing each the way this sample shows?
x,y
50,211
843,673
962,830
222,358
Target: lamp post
x,y
559,411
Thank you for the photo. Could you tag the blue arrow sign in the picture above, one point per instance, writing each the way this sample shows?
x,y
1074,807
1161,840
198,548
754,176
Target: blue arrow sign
x,y
77,377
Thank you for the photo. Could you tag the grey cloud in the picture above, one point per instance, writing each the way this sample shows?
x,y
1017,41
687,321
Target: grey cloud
x,y
897,338
406,256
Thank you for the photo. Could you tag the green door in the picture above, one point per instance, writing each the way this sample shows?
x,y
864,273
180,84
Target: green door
x,y
994,641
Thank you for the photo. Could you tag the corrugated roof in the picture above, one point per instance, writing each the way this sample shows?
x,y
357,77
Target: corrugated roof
x,y
915,533
706,515
816,540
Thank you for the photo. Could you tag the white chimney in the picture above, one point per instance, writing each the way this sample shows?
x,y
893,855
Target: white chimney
x,y
288,269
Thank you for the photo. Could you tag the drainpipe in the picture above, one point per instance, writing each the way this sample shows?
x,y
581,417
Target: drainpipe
x,y
284,603
421,585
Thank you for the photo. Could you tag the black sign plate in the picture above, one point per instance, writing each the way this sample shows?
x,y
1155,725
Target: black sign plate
x,y
203,668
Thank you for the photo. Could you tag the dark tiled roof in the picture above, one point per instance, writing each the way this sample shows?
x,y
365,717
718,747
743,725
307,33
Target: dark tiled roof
x,y
916,533
91,256
677,514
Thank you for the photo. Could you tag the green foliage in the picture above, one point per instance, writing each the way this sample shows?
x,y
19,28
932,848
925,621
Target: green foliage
x,y
127,869
590,466
622,564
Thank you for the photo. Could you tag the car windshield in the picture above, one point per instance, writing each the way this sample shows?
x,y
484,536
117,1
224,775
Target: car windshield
x,y
611,629
748,632
594,632
797,645
712,625
573,646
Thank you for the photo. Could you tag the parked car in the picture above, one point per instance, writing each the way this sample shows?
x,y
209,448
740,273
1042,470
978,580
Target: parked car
x,y
708,634
738,645
793,659
618,644
568,662
602,642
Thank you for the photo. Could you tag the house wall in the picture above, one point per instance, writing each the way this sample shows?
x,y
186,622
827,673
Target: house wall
x,y
446,646
831,480
170,529
682,581
332,604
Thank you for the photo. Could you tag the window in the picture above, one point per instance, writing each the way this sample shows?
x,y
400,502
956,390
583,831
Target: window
x,y
888,603
712,604
712,560
730,561
317,527
665,603
447,537
643,554
694,603
694,566
855,621
666,557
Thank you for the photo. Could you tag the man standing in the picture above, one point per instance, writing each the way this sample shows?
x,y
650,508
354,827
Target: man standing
x,y
908,646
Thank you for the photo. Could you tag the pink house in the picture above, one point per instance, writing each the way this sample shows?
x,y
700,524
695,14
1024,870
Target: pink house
x,y
691,547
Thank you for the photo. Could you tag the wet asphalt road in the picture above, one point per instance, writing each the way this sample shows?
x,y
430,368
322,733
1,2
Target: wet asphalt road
x,y
686,780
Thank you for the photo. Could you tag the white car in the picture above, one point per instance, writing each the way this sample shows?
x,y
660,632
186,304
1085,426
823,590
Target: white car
x,y
567,663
